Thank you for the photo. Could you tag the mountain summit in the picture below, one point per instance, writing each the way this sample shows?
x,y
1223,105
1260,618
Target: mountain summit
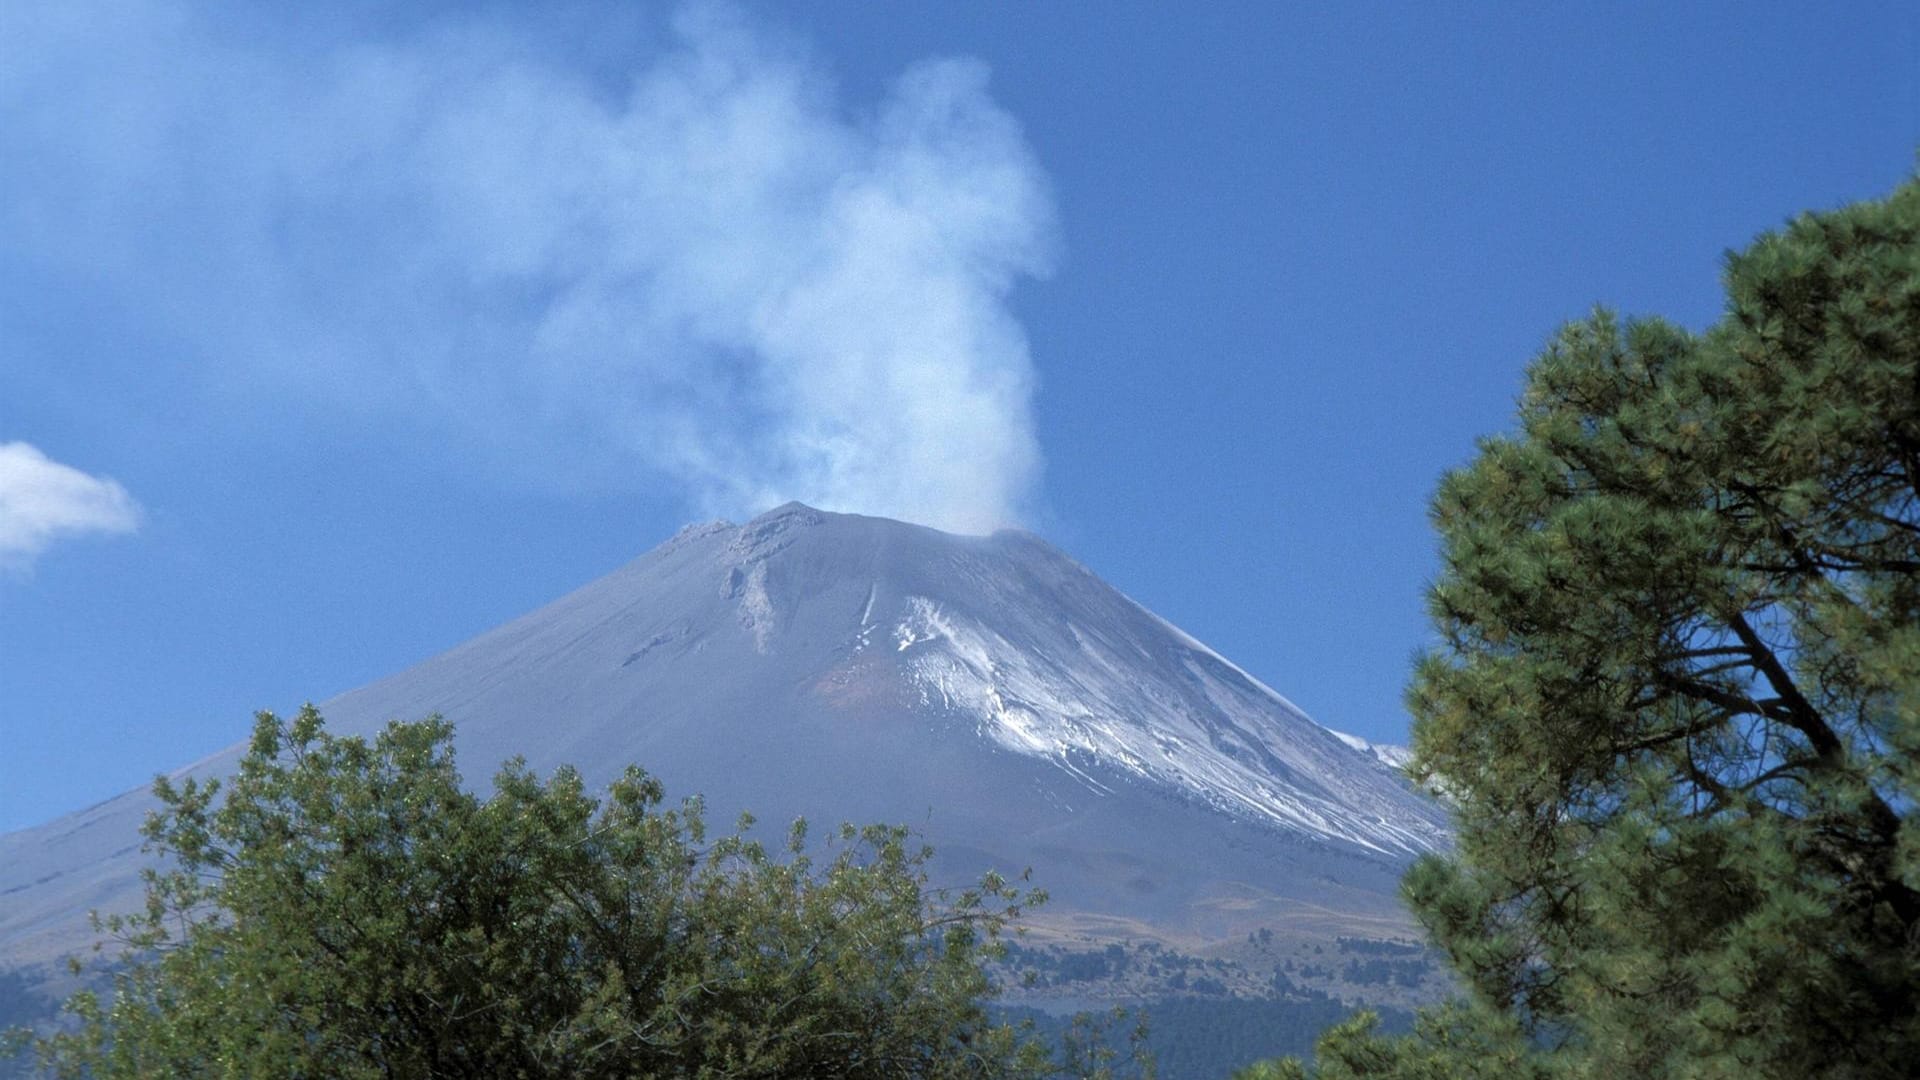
x,y
989,691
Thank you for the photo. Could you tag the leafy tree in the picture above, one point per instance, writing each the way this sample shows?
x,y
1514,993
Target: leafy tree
x,y
1677,703
350,910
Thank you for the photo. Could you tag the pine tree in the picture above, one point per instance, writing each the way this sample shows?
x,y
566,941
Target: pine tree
x,y
1677,703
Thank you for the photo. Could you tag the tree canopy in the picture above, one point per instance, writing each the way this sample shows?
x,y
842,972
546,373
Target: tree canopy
x,y
349,909
1676,703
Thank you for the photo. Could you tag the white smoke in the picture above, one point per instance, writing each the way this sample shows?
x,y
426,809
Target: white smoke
x,y
708,270
42,501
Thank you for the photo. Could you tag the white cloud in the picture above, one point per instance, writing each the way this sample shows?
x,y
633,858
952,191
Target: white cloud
x,y
42,501
707,271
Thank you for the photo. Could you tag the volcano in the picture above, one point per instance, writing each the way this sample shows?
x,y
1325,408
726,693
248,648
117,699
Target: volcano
x,y
989,692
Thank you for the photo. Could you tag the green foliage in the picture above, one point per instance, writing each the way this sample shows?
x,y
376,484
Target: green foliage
x,y
350,910
1677,705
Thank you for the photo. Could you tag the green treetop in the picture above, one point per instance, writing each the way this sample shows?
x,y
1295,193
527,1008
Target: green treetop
x,y
1676,705
350,910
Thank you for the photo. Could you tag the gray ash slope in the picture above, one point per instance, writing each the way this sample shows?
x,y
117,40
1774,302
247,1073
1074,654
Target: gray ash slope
x,y
988,691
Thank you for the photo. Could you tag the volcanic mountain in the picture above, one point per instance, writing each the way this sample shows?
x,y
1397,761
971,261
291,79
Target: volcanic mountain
x,y
988,691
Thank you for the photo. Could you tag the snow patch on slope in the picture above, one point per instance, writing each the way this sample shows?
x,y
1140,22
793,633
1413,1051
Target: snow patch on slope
x,y
1201,647
1095,708
1396,756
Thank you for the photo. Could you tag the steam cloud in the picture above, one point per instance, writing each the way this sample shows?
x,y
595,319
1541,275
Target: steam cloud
x,y
703,269
42,501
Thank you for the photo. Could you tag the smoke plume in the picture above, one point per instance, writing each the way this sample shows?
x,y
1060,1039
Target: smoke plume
x,y
692,264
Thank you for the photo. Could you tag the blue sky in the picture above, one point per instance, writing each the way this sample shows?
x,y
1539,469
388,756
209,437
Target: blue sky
x,y
328,341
